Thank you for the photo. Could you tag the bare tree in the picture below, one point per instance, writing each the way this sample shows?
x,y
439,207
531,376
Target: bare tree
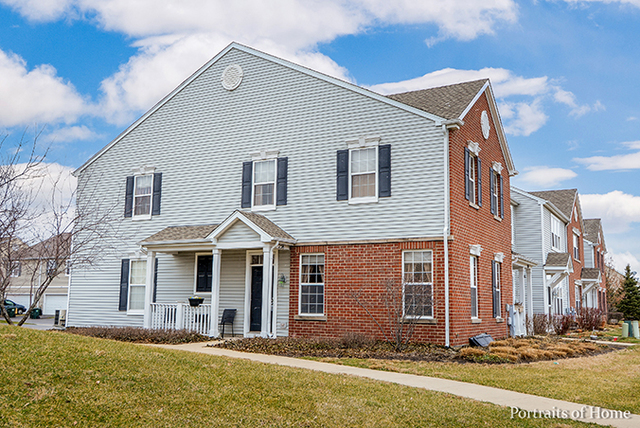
x,y
614,281
402,309
64,235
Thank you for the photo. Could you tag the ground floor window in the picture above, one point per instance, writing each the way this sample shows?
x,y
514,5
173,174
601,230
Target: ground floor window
x,y
496,280
473,272
204,273
417,283
312,284
137,280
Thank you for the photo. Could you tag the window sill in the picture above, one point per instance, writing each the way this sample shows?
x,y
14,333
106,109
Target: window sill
x,y
429,321
263,208
499,319
140,217
497,217
310,318
472,205
476,321
355,201
135,313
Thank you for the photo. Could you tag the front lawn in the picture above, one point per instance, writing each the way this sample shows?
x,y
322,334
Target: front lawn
x,y
57,379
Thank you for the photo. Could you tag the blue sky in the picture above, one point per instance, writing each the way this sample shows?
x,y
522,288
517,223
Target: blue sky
x,y
565,74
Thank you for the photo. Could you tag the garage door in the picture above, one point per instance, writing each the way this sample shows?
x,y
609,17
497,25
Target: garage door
x,y
53,302
21,299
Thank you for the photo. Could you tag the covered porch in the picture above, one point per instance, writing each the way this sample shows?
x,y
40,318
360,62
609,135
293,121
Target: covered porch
x,y
241,264
522,306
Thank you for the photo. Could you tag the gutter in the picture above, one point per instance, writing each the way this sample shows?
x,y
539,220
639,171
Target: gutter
x,y
445,230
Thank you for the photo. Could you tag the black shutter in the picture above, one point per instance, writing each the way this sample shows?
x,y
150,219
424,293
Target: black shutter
x,y
155,281
384,171
281,190
128,197
342,178
247,169
492,190
467,184
501,197
124,285
157,193
479,174
494,290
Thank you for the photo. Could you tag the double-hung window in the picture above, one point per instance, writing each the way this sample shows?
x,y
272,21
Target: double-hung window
x,y
473,174
143,193
496,280
264,183
137,280
473,274
312,284
417,284
15,269
364,173
556,234
576,247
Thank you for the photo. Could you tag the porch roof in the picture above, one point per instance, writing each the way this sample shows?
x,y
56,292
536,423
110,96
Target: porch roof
x,y
520,260
590,274
557,260
268,226
181,233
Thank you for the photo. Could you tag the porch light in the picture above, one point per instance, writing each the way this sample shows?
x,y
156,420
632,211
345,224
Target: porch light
x,y
282,280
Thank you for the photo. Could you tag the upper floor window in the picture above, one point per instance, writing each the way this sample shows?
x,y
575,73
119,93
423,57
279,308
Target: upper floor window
x,y
417,284
264,181
473,174
364,171
556,234
143,194
16,269
576,247
497,190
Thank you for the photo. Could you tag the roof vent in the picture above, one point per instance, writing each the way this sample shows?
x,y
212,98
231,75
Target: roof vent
x,y
232,77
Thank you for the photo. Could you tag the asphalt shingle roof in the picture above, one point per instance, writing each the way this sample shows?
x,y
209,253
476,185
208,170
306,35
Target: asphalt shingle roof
x,y
447,102
182,233
590,273
562,199
591,229
557,259
267,225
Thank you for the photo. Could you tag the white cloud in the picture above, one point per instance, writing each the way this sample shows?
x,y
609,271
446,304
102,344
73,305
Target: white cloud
x,y
37,95
523,118
621,260
635,3
40,10
612,163
569,99
544,176
72,133
617,210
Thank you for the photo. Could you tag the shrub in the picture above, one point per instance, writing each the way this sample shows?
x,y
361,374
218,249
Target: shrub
x,y
471,352
540,324
560,324
589,318
139,335
356,340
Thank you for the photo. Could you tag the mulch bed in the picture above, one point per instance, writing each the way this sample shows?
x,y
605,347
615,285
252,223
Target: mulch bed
x,y
503,351
139,335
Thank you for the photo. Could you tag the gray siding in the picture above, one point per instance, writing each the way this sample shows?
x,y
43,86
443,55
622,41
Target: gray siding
x,y
283,293
589,261
239,232
199,140
233,266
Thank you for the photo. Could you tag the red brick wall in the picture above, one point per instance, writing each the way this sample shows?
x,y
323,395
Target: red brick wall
x,y
363,269
470,226
575,223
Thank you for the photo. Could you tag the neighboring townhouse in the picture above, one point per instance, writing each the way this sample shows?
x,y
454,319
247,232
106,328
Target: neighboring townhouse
x,y
299,200
542,263
30,271
594,292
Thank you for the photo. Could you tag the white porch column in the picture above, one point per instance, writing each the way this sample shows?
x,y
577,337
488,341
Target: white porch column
x,y
148,288
215,293
267,272
274,293
530,292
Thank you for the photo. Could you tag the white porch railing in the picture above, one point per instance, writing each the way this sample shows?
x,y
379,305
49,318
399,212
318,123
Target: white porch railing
x,y
179,316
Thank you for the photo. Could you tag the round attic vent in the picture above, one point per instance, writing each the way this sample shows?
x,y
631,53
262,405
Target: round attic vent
x,y
484,123
232,77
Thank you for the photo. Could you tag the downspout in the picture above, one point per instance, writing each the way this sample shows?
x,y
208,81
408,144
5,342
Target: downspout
x,y
445,234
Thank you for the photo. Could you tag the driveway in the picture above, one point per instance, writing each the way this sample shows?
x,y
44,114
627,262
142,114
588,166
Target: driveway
x,y
45,322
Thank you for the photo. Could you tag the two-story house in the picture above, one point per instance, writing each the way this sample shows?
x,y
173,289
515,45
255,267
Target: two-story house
x,y
300,200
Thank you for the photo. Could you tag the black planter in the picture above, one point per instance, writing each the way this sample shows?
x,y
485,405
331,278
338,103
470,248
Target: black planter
x,y
196,301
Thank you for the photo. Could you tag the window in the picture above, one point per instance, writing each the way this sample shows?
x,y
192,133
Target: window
x,y
496,280
473,273
556,234
264,183
473,168
576,247
16,269
52,265
137,281
204,272
497,204
364,172
578,301
67,268
417,284
143,194
312,284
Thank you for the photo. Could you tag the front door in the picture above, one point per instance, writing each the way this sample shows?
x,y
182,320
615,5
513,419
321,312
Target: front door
x,y
256,298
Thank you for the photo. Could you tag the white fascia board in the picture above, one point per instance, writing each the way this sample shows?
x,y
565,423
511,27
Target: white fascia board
x,y
234,45
231,220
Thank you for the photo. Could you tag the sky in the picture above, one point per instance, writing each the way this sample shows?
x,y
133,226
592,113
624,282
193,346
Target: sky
x,y
76,73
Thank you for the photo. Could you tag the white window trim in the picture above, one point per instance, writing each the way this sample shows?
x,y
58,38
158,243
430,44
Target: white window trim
x,y
324,288
473,178
270,207
473,147
195,275
142,172
67,268
366,199
555,221
576,246
16,264
497,274
475,249
473,279
423,317
134,311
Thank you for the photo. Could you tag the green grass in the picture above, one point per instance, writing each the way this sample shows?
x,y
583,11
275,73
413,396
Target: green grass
x,y
609,380
57,379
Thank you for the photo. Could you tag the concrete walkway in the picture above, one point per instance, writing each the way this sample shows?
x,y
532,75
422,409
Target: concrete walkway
x,y
518,403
